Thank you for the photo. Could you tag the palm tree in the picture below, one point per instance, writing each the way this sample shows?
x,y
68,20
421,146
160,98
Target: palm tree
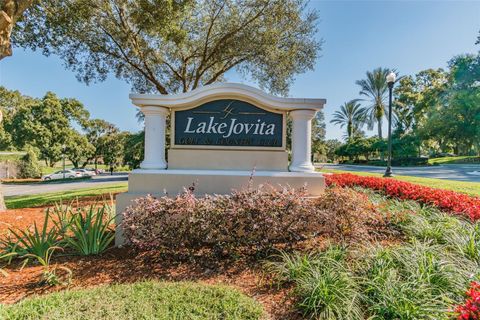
x,y
351,115
375,88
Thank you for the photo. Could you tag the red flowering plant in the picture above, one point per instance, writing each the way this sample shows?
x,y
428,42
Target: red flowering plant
x,y
447,200
470,309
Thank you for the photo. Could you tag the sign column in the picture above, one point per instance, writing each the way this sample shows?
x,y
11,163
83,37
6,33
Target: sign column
x,y
302,140
155,125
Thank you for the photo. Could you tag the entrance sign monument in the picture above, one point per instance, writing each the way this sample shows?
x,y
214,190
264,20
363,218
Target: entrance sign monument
x,y
221,136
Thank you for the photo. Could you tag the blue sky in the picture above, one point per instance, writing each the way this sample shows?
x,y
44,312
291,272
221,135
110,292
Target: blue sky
x,y
359,35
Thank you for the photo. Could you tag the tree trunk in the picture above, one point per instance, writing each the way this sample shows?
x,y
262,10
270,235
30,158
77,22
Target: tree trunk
x,y
10,12
379,123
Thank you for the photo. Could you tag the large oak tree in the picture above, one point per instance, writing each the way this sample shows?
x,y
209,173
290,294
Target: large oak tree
x,y
168,46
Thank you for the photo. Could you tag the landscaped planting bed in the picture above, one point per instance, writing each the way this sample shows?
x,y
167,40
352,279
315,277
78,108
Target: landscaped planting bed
x,y
444,199
353,253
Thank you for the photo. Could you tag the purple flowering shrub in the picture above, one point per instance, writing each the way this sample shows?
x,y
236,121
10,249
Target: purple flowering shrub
x,y
251,217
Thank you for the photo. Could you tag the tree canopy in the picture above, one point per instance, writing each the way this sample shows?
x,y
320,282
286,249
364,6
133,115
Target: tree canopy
x,y
47,125
436,111
374,88
170,46
352,116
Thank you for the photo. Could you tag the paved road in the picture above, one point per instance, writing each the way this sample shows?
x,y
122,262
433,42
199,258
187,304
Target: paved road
x,y
35,188
459,172
450,172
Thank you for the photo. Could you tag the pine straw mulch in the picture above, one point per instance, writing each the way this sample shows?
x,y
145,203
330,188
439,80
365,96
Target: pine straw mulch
x,y
125,265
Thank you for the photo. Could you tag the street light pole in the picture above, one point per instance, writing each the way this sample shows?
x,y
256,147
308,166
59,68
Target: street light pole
x,y
63,159
391,77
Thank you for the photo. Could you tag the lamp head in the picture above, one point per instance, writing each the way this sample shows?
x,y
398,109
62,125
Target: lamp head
x,y
391,77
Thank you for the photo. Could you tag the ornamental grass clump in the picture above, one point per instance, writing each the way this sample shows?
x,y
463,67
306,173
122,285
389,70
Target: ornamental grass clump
x,y
252,217
417,280
325,288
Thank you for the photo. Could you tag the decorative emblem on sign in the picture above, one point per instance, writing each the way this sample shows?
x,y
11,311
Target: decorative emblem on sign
x,y
228,123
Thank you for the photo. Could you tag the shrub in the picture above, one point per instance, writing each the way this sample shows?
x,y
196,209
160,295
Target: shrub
x,y
444,199
410,161
260,218
346,214
29,167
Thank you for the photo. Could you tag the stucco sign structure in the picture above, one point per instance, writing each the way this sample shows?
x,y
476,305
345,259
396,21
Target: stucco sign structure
x,y
220,136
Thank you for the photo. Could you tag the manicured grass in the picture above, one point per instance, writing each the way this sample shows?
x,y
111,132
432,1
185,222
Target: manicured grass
x,y
37,200
452,160
143,300
471,188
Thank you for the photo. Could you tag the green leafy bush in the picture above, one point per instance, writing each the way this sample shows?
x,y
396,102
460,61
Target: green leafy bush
x,y
422,277
29,166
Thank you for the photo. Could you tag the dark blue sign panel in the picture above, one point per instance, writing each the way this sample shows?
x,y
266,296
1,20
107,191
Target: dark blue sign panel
x,y
231,123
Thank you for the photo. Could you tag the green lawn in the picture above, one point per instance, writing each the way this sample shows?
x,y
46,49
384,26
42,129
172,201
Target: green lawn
x,y
471,188
455,160
142,300
37,200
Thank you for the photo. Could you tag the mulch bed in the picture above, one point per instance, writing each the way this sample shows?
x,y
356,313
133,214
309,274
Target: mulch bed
x,y
124,265
20,218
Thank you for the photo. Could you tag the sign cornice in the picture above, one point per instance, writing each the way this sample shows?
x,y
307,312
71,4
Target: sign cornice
x,y
226,90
